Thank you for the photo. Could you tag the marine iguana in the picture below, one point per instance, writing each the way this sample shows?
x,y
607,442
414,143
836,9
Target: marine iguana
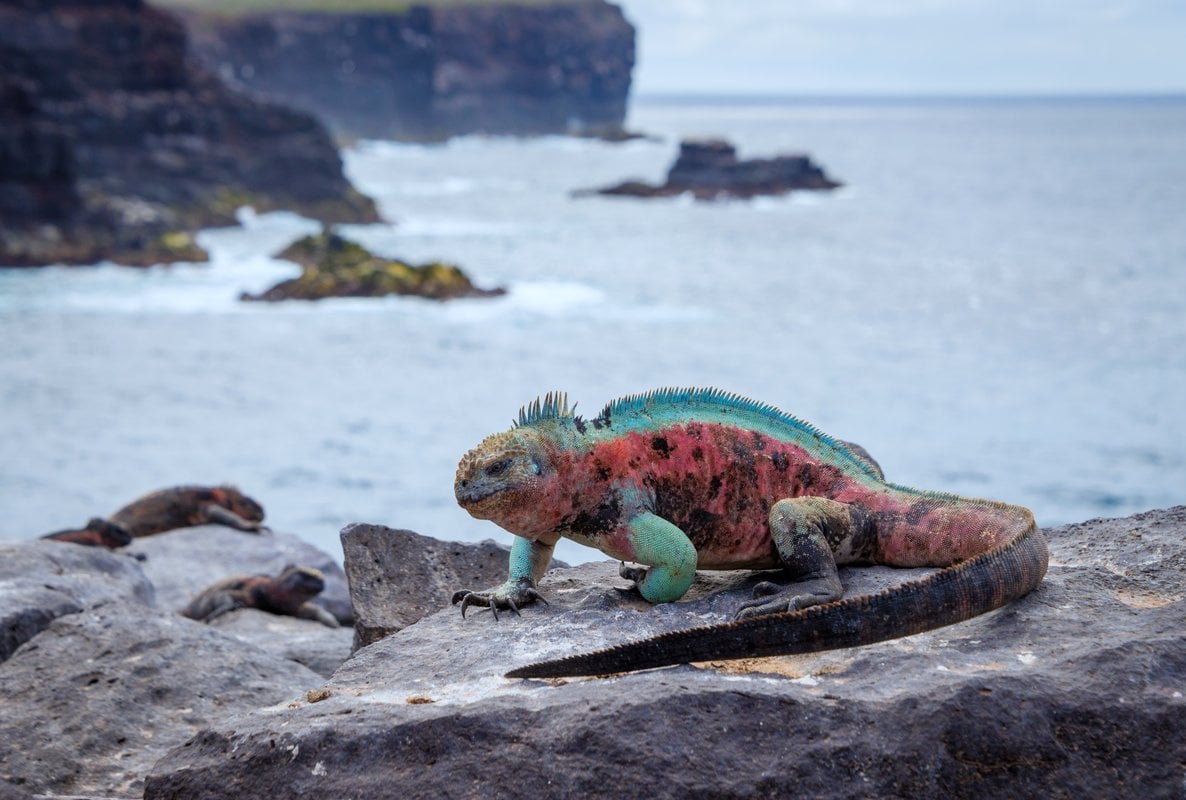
x,y
98,532
185,506
286,594
685,479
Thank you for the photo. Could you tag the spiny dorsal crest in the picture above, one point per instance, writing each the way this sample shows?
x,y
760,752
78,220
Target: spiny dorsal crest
x,y
554,405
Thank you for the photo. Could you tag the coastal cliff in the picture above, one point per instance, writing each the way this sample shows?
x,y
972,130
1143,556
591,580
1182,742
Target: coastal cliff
x,y
430,71
114,144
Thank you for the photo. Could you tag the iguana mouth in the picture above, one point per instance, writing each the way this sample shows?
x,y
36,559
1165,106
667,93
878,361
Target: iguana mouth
x,y
469,495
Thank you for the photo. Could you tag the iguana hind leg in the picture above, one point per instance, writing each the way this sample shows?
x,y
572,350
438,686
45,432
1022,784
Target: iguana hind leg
x,y
669,554
810,533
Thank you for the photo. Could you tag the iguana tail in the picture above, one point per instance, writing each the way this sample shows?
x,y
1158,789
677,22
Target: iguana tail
x,y
951,595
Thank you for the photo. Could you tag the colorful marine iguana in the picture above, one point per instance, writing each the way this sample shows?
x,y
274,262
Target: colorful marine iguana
x,y
185,506
687,479
286,594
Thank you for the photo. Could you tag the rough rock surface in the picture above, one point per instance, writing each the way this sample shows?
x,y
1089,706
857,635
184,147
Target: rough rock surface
x,y
43,580
114,144
304,641
336,267
183,562
95,699
397,577
432,72
1077,690
709,169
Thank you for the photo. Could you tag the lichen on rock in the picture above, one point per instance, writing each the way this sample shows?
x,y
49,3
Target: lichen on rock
x,y
333,266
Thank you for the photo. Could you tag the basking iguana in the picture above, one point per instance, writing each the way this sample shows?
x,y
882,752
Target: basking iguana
x,y
185,506
687,479
285,594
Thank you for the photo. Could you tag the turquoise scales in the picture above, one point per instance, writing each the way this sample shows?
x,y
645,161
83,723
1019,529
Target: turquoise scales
x,y
680,479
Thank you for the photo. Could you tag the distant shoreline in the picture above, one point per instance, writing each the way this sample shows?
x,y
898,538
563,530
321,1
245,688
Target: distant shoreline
x,y
763,98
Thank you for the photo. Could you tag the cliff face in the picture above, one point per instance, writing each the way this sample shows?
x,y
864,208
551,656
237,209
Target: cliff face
x,y
428,73
113,144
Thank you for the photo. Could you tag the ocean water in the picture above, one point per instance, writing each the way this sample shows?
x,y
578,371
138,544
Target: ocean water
x,y
994,304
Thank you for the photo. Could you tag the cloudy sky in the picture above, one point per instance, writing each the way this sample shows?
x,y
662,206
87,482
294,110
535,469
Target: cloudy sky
x,y
909,46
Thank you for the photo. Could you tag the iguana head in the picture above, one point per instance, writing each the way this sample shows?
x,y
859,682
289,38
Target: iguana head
x,y
231,498
501,478
299,583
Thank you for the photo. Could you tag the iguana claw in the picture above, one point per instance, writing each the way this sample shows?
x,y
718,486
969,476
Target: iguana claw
x,y
509,595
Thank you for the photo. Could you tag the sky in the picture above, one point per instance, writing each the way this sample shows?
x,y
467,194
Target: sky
x,y
909,46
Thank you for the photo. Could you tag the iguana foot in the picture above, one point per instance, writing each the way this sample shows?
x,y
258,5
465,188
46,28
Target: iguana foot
x,y
509,595
635,574
770,598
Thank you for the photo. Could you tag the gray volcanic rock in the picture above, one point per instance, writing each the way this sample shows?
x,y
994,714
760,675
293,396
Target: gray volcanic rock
x,y
397,576
709,169
304,641
94,700
183,562
435,70
43,580
1077,690
115,144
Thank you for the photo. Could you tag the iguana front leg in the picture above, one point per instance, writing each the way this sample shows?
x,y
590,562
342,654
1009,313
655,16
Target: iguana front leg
x,y
529,560
809,532
219,515
669,553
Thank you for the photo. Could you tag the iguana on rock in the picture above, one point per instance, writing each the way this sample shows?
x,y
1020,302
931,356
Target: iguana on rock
x,y
286,594
687,479
185,506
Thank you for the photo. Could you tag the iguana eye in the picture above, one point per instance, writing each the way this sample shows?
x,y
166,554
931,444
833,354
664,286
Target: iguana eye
x,y
498,467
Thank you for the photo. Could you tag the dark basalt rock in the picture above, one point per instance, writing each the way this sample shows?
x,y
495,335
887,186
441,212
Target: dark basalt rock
x,y
97,697
336,267
398,577
115,145
1076,690
43,580
709,169
432,71
306,642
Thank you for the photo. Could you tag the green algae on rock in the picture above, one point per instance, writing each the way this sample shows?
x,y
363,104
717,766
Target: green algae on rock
x,y
336,267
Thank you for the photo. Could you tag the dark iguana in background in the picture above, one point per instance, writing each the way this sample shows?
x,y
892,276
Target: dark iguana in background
x,y
286,594
685,479
185,506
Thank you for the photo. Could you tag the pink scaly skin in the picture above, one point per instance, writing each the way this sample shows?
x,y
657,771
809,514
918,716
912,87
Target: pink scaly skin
x,y
679,480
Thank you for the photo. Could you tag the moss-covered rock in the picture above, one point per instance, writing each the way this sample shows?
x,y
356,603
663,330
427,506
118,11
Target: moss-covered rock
x,y
336,267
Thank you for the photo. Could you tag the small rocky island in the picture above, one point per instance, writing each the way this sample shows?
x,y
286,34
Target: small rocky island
x,y
333,266
709,169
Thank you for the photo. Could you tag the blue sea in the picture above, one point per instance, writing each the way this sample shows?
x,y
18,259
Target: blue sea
x,y
994,304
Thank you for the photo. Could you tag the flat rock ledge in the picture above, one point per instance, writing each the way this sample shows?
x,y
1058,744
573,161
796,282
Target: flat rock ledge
x,y
1078,690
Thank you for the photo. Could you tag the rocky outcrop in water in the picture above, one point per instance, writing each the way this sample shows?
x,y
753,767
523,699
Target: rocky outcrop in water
x,y
709,169
433,71
332,266
114,145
